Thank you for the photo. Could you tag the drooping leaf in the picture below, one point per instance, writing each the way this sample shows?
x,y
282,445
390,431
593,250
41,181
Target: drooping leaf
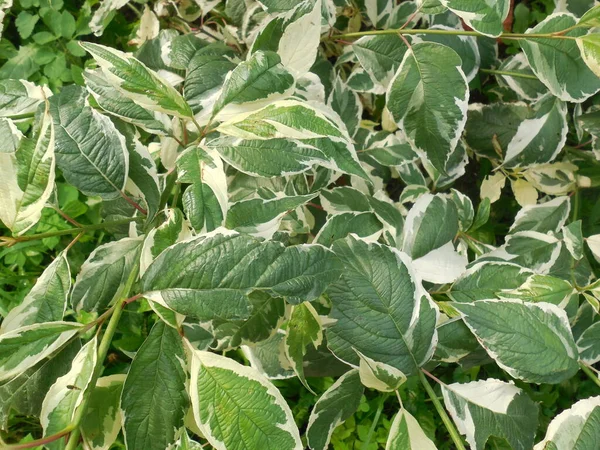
x,y
304,329
103,275
134,80
25,393
492,407
234,404
20,98
47,300
336,405
589,344
428,100
90,152
28,178
154,397
377,375
102,422
24,347
365,225
530,341
381,308
64,396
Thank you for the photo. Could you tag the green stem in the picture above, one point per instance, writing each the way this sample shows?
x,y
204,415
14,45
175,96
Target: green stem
x,y
442,412
509,74
39,442
576,200
81,229
382,400
449,33
590,373
102,352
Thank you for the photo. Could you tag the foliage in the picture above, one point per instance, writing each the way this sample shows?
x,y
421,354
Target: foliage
x,y
245,224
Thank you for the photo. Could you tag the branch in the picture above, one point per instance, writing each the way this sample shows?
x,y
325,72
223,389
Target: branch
x,y
591,375
102,351
10,241
517,36
42,441
508,74
441,411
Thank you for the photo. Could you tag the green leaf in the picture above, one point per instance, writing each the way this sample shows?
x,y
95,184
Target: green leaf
x,y
154,397
433,120
591,18
364,225
25,393
486,18
589,46
205,202
380,56
547,56
134,80
304,329
28,175
118,105
24,347
482,280
260,217
334,407
540,138
211,276
206,72
573,239
422,232
173,229
235,404
47,300
407,434
589,344
143,179
486,408
295,36
346,103
464,46
260,79
96,166
103,275
377,375
525,87
530,341
381,308
65,395
545,217
575,428
25,23
283,119
543,288
20,97
102,422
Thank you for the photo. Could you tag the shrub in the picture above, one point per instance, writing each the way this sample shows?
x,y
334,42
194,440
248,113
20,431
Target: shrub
x,y
358,198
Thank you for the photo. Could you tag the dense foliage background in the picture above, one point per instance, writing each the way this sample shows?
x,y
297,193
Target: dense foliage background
x,y
528,138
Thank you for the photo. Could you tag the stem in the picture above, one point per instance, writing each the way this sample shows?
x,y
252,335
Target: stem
x,y
102,351
81,229
382,400
442,412
509,74
591,375
132,203
576,199
517,36
43,441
